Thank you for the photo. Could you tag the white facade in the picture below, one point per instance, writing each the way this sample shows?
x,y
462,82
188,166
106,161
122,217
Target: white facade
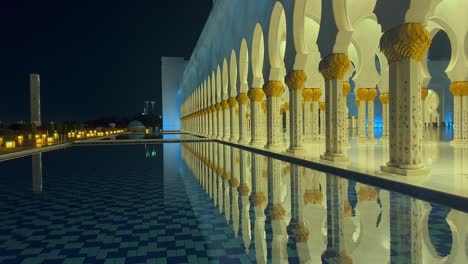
x,y
171,70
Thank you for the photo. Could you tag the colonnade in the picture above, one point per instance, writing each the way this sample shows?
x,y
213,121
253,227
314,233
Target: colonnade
x,y
310,82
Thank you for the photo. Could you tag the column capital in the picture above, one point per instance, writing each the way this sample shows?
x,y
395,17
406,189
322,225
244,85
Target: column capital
x,y
259,198
334,66
277,212
322,106
256,94
225,104
459,88
242,98
232,101
295,79
307,94
244,189
264,106
361,94
346,88
367,193
301,232
286,106
273,88
406,41
371,94
317,94
384,98
313,196
424,93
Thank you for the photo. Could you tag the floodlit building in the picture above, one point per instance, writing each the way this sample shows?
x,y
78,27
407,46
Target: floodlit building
x,y
287,74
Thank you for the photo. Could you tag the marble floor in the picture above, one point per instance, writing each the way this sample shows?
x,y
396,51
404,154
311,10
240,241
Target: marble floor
x,y
447,162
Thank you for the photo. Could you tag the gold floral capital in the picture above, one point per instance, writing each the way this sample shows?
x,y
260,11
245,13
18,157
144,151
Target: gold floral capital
x,y
244,190
301,232
313,197
334,66
406,41
362,94
424,93
367,193
384,98
459,88
286,106
259,198
225,104
346,88
296,79
307,94
322,106
371,94
317,94
219,107
235,182
242,98
232,101
277,212
256,94
348,210
273,88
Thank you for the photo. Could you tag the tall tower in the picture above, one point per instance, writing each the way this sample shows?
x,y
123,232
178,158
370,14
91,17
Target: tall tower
x,y
152,107
35,96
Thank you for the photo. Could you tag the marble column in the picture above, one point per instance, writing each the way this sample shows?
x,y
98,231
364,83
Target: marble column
x,y
220,125
226,120
242,98
317,93
362,97
295,81
346,90
214,121
333,68
405,106
384,100
234,112
371,94
424,93
256,97
323,121
307,94
273,91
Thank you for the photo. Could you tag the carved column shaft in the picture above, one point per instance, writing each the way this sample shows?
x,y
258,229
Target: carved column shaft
x,y
273,91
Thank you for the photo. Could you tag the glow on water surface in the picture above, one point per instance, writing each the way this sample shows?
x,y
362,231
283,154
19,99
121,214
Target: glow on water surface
x,y
208,202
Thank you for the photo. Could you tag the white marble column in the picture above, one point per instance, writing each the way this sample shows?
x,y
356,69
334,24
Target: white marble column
x,y
362,96
273,91
242,98
371,94
234,112
424,93
256,97
384,100
333,68
295,81
317,93
405,106
220,124
323,121
226,120
214,121
307,94
346,90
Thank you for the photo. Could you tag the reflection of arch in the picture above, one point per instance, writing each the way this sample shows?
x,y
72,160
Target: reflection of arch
x,y
433,255
258,54
233,74
243,65
277,37
225,79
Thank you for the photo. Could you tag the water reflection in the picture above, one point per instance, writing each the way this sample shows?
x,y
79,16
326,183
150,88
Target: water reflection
x,y
37,172
283,213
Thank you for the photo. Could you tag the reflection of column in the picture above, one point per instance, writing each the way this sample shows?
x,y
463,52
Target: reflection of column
x,y
405,106
220,176
333,68
279,221
245,191
273,90
234,111
260,203
336,251
405,229
256,97
459,252
295,81
37,172
227,178
235,183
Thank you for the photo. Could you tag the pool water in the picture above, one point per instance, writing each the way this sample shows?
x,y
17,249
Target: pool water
x,y
173,203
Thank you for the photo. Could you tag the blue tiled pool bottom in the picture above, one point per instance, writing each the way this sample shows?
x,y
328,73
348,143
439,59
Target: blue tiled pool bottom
x,y
116,204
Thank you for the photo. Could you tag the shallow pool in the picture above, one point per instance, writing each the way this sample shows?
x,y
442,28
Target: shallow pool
x,y
208,202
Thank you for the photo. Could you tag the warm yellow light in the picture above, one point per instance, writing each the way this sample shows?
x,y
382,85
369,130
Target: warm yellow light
x,y
50,140
56,135
1,141
78,136
10,144
20,138
44,136
39,142
147,131
37,136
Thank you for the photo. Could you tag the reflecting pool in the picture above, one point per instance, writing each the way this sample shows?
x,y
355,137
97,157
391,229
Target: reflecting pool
x,y
209,202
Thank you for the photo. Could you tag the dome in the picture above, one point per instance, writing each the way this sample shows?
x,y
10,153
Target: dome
x,y
136,126
136,123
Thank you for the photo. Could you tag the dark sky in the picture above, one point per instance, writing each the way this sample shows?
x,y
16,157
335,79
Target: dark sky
x,y
96,57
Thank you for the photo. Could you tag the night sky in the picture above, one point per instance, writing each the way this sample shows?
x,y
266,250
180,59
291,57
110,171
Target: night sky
x,y
97,58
